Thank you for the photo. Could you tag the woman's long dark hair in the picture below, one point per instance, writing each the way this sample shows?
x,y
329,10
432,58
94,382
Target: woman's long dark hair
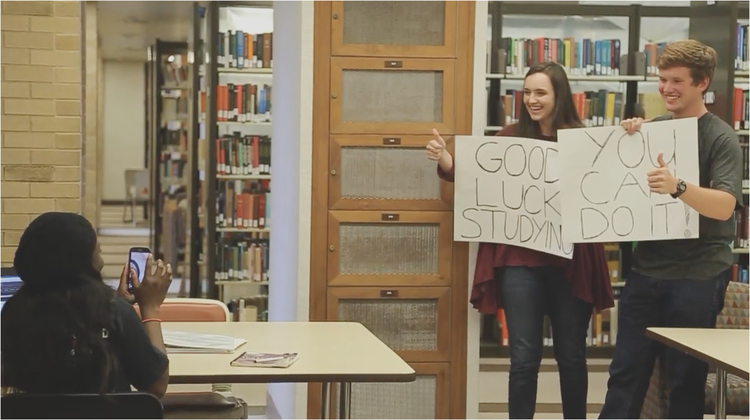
x,y
55,328
564,115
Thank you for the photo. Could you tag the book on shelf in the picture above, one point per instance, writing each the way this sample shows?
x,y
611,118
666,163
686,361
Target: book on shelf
x,y
739,273
741,229
242,259
274,360
741,109
238,154
243,103
243,204
583,57
651,52
742,55
243,50
190,342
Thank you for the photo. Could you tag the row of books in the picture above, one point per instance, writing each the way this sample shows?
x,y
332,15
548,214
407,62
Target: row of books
x,y
175,69
242,50
602,330
743,52
245,103
739,273
249,309
651,51
243,155
242,260
172,170
173,136
580,57
243,204
741,109
741,222
595,108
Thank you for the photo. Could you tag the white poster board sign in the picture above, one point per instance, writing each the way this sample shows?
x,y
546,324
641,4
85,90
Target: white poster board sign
x,y
507,192
604,183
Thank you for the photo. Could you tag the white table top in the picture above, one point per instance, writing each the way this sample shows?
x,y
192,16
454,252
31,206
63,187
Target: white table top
x,y
728,349
328,352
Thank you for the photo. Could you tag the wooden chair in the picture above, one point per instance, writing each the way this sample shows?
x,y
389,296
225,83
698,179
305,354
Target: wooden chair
x,y
204,405
132,405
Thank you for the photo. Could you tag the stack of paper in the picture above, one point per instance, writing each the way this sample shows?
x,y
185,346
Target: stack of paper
x,y
189,342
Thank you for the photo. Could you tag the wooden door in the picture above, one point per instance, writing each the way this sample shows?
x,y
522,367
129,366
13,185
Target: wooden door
x,y
382,222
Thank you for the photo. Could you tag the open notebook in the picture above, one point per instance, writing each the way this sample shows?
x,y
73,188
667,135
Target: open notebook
x,y
190,342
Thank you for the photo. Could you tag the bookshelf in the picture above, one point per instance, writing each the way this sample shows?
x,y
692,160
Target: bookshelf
x,y
168,123
609,52
235,122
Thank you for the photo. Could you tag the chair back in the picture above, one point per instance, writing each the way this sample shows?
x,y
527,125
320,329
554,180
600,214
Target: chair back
x,y
132,405
192,310
138,184
736,304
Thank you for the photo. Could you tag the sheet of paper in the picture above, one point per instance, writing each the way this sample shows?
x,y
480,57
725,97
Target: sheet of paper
x,y
192,342
507,192
604,188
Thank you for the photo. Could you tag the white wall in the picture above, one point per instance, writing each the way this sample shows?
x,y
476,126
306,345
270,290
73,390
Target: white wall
x,y
291,199
124,124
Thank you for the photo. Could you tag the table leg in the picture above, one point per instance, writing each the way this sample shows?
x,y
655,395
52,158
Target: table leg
x,y
325,400
720,407
345,395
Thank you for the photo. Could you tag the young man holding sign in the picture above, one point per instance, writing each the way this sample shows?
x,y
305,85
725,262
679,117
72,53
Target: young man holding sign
x,y
529,284
679,283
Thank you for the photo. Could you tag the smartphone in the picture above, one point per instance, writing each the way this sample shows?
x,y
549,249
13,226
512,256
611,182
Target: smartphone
x,y
137,258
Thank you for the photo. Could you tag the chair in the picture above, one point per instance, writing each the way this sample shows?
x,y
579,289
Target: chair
x,y
137,190
204,405
134,405
734,316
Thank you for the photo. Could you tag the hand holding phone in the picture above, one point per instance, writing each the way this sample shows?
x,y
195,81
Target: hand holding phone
x,y
151,288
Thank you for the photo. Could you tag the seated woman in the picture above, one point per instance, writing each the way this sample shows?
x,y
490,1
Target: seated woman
x,y
66,331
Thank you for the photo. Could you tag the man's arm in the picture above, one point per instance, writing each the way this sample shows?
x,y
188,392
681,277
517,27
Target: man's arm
x,y
725,174
709,202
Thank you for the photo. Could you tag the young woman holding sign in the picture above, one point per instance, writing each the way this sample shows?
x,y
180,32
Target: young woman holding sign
x,y
529,284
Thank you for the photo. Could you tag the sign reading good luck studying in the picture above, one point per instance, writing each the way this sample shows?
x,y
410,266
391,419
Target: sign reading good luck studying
x,y
604,187
507,191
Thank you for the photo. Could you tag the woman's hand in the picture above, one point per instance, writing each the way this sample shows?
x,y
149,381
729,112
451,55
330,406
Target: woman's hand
x,y
151,292
122,289
436,152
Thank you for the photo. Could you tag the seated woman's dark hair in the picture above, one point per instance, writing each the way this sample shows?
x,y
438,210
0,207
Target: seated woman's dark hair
x,y
55,328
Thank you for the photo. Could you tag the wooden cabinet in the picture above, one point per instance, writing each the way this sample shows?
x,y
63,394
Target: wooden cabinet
x,y
374,248
413,321
385,172
392,96
394,28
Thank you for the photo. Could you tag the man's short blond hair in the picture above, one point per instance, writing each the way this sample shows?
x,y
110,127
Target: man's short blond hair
x,y
695,55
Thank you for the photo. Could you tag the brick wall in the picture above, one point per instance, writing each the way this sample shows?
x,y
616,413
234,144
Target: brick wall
x,y
41,113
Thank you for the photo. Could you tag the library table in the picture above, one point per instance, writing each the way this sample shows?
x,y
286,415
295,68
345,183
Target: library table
x,y
342,352
727,349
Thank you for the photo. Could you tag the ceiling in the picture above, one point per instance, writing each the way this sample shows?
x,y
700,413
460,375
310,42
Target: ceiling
x,y
127,28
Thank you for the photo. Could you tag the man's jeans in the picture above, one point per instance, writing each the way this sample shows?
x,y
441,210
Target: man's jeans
x,y
649,302
528,293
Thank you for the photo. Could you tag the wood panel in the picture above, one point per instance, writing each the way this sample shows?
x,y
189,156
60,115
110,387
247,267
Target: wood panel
x,y
339,46
336,202
440,295
443,220
395,66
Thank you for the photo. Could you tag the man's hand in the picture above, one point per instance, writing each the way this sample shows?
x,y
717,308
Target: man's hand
x,y
660,180
631,125
122,289
435,147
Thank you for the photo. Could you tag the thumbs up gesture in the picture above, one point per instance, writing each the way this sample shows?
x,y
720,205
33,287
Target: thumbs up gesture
x,y
660,180
435,147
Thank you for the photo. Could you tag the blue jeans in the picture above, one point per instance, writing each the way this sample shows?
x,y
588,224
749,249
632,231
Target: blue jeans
x,y
528,293
649,302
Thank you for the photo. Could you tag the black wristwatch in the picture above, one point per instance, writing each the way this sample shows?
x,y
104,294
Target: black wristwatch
x,y
681,187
